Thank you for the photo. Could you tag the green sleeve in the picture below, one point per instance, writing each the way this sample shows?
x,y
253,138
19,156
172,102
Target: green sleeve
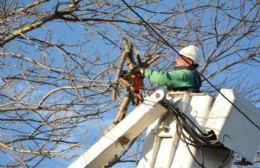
x,y
172,79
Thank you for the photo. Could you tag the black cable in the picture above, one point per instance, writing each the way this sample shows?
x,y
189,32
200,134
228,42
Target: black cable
x,y
186,140
225,161
165,41
195,138
194,158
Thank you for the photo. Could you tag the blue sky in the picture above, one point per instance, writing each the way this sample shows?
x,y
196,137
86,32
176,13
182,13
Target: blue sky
x,y
77,32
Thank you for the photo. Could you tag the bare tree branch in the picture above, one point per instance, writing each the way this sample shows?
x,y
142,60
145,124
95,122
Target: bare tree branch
x,y
60,65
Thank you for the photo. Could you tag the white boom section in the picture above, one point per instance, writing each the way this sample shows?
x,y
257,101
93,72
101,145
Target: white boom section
x,y
133,125
233,129
163,147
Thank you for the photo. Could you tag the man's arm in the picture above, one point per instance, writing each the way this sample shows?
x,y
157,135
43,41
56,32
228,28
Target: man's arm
x,y
172,79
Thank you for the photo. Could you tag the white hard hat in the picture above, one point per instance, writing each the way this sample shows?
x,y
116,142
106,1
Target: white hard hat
x,y
192,52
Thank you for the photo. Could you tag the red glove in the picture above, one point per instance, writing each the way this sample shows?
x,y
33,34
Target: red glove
x,y
138,82
138,98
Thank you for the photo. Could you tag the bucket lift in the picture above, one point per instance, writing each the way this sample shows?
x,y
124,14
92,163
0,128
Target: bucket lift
x,y
169,150
163,146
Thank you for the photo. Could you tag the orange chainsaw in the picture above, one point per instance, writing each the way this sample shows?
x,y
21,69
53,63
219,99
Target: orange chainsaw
x,y
134,82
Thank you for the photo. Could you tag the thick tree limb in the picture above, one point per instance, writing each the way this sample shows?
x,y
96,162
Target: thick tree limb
x,y
26,28
31,5
119,71
33,108
122,109
31,26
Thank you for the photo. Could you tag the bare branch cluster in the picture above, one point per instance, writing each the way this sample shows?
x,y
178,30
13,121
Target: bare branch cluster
x,y
58,63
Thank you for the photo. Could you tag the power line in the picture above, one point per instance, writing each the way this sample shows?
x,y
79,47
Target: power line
x,y
166,42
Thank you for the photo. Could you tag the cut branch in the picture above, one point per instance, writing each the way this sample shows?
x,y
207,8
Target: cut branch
x,y
119,70
122,109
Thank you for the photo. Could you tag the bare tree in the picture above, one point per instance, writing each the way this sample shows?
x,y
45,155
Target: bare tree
x,y
59,60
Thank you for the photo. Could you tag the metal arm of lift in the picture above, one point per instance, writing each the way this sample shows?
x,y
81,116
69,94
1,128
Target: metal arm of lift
x,y
128,129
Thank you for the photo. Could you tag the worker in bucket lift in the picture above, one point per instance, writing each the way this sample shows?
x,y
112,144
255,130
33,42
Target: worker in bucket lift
x,y
184,77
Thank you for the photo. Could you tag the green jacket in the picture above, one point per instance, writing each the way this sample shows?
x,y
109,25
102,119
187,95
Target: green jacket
x,y
180,79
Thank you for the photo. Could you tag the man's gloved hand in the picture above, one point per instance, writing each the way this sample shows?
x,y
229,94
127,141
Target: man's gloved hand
x,y
137,80
138,76
138,98
134,80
